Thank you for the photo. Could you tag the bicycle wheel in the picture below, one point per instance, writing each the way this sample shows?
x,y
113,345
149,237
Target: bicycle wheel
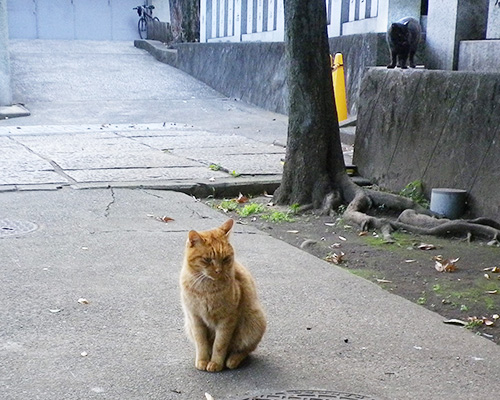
x,y
142,27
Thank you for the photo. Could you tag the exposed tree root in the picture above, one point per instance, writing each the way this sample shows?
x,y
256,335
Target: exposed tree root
x,y
413,218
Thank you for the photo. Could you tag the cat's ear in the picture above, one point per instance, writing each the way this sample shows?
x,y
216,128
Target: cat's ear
x,y
226,226
194,238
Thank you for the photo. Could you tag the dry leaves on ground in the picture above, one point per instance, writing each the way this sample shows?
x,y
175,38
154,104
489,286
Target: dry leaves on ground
x,y
335,258
445,265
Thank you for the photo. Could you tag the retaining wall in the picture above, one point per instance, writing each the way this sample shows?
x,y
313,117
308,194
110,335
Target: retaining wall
x,y
256,71
440,127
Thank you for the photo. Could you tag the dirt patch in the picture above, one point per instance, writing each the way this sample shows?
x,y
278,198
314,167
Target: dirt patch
x,y
471,293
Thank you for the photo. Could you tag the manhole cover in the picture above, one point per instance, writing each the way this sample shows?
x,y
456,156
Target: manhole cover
x,y
310,395
9,227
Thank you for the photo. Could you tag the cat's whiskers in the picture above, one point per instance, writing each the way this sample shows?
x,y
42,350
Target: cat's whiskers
x,y
198,279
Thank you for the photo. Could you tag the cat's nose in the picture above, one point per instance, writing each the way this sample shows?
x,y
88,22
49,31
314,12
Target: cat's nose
x,y
217,270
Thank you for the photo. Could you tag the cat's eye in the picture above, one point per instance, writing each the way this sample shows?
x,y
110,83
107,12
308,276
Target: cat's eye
x,y
207,260
226,260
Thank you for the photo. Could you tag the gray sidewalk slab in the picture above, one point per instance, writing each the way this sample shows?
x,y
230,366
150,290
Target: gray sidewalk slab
x,y
107,154
328,329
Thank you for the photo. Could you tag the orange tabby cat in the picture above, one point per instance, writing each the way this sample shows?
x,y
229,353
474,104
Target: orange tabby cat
x,y
223,316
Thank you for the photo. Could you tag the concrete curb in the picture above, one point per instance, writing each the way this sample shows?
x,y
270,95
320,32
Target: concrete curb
x,y
13,111
158,50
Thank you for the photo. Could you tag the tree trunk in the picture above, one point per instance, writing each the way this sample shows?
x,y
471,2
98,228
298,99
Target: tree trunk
x,y
314,173
314,163
185,20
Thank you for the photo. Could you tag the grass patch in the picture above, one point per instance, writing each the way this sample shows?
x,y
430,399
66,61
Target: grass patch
x,y
278,216
422,300
476,295
215,167
228,205
401,240
414,191
251,209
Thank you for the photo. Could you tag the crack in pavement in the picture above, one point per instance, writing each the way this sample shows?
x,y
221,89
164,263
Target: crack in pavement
x,y
108,206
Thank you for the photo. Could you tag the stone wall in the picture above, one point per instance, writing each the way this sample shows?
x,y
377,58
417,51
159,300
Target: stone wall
x,y
253,72
256,71
440,127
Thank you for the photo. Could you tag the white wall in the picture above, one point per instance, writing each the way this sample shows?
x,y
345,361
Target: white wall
x,y
5,87
263,20
73,19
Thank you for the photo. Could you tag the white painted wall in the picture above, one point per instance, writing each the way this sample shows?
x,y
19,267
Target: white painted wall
x,y
264,19
5,87
74,19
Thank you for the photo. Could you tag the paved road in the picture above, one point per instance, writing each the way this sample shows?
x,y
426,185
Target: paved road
x,y
328,329
108,113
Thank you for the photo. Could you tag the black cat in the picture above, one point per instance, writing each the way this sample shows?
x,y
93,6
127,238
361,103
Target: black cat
x,y
403,37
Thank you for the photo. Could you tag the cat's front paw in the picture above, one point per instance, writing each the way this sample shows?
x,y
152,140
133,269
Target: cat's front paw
x,y
214,367
201,365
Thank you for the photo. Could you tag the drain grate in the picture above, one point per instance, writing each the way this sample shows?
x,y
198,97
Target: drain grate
x,y
9,227
310,395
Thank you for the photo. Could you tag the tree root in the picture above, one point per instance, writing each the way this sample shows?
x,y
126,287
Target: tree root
x,y
412,218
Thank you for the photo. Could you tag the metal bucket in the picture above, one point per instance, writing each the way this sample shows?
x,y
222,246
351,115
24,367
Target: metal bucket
x,y
449,203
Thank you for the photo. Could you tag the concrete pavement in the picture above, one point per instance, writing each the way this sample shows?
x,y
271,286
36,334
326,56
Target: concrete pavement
x,y
328,329
110,114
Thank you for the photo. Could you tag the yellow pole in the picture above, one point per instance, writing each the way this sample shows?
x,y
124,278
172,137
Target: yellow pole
x,y
339,86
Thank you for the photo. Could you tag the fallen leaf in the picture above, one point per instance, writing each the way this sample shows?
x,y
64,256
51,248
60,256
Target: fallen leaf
x,y
268,195
488,322
363,233
495,316
161,219
83,301
486,276
410,261
342,238
209,397
335,258
84,354
443,265
330,223
426,246
292,231
55,310
383,281
495,270
242,199
455,322
492,291
335,245
212,179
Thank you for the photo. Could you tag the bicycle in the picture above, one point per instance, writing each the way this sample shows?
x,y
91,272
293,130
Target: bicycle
x,y
145,13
